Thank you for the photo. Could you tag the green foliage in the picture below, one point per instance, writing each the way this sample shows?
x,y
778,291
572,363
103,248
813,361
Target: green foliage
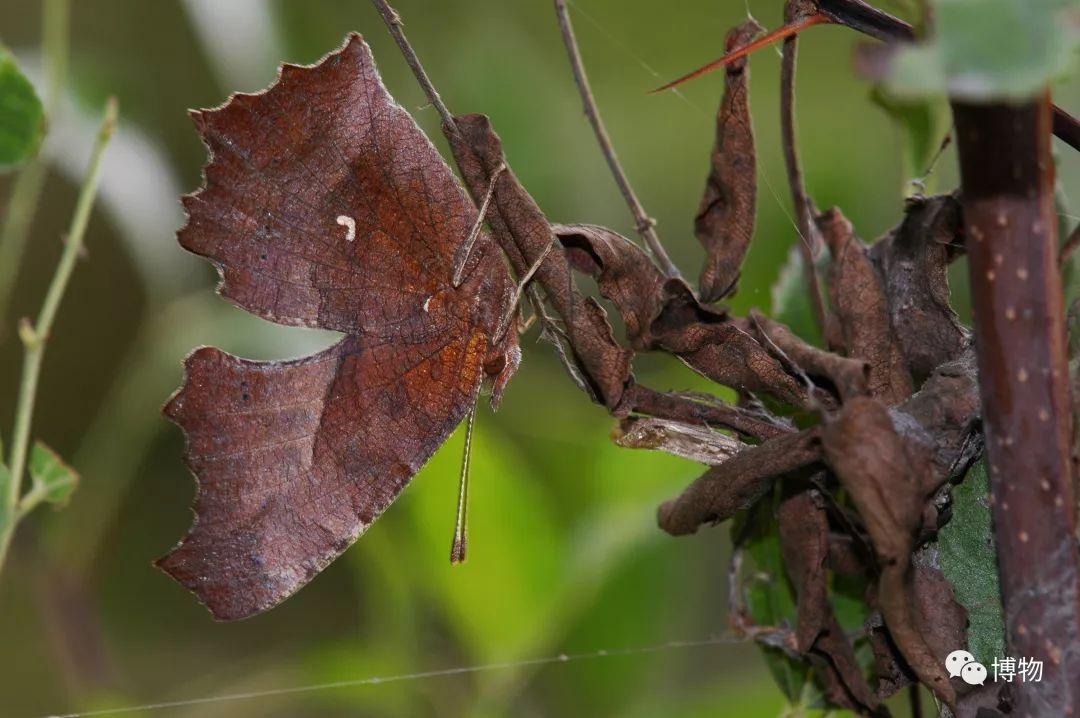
x,y
968,558
990,49
791,299
923,123
1070,270
22,118
770,600
51,477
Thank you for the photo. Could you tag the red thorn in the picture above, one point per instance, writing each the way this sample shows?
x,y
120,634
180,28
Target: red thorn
x,y
772,37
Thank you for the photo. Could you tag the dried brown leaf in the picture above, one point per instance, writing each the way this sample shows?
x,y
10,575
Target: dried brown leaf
x,y
860,306
883,476
520,228
848,376
725,219
687,441
913,261
739,482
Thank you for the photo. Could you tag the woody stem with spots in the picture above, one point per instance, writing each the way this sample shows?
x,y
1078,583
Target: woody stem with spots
x,y
1007,177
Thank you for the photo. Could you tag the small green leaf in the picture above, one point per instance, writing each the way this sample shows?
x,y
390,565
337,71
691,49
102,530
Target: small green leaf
x,y
22,118
990,49
51,475
791,299
968,558
769,598
1070,270
923,122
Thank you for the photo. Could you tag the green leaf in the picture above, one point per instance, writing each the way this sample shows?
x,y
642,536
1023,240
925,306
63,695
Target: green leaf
x,y
51,475
990,49
769,598
791,299
516,549
22,118
923,122
968,558
1070,271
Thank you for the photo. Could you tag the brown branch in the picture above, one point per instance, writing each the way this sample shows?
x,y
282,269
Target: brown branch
x,y
394,24
810,241
1067,128
867,19
1006,173
643,222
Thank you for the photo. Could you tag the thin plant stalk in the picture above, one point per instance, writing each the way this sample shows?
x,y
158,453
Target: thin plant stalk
x,y
30,181
35,336
642,221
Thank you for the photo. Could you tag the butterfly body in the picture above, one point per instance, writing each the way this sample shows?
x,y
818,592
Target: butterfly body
x,y
325,205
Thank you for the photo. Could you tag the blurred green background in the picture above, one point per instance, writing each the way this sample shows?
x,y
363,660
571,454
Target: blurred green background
x,y
565,556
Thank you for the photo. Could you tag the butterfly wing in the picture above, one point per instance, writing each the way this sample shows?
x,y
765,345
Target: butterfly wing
x,y
325,205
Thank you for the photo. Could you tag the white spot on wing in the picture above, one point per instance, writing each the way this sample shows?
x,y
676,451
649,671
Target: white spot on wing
x,y
427,303
350,224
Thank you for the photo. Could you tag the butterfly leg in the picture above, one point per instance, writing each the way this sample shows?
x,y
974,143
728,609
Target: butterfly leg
x,y
515,305
461,256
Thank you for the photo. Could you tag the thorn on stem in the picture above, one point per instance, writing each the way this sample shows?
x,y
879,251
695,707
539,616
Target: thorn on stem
x,y
769,39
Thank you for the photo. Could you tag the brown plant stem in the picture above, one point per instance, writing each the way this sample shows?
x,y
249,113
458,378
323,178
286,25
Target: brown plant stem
x,y
642,221
1007,179
1067,128
393,24
810,241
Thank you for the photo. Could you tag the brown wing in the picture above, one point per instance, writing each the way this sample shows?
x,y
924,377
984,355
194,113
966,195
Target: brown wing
x,y
296,459
325,205
326,154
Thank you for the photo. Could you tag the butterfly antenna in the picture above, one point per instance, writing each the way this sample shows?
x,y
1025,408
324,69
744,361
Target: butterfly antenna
x,y
460,546
461,257
772,37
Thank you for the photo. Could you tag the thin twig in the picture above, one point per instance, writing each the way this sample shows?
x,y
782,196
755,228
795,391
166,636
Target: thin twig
x,y
643,222
30,181
461,256
810,239
522,285
1066,127
394,24
34,336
